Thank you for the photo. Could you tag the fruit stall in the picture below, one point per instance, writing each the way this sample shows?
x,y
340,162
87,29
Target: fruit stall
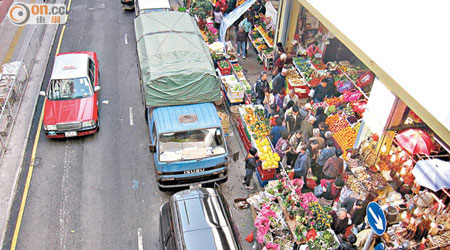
x,y
285,218
262,41
254,130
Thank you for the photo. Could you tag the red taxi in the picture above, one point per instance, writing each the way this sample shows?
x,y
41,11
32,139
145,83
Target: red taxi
x,y
71,106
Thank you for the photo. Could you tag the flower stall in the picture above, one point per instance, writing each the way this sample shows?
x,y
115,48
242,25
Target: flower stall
x,y
284,218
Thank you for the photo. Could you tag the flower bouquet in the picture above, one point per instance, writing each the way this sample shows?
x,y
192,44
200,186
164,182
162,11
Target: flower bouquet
x,y
324,240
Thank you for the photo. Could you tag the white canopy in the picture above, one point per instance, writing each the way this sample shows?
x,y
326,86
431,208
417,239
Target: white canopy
x,y
405,43
229,19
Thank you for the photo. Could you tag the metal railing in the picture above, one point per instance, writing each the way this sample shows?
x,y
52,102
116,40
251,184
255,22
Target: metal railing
x,y
13,84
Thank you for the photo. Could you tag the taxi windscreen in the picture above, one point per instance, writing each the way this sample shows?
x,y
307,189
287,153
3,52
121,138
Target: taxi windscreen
x,y
65,89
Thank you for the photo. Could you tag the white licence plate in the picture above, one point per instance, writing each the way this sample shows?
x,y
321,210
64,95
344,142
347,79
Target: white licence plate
x,y
193,171
70,133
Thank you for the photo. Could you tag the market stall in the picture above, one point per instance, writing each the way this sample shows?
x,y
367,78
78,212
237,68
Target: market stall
x,y
261,37
408,190
285,218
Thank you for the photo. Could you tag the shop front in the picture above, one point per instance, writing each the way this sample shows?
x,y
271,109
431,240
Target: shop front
x,y
401,150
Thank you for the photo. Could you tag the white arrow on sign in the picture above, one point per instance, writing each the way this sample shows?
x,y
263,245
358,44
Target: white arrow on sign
x,y
378,221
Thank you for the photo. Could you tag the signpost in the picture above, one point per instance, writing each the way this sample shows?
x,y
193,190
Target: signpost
x,y
377,221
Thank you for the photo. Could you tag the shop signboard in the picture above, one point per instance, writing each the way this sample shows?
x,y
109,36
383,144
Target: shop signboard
x,y
376,218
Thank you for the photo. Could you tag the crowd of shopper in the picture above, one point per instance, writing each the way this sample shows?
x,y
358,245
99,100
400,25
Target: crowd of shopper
x,y
305,145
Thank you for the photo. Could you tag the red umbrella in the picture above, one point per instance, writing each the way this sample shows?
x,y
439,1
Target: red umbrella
x,y
415,141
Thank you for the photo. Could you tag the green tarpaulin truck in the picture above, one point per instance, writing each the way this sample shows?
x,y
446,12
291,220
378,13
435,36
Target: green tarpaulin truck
x,y
179,86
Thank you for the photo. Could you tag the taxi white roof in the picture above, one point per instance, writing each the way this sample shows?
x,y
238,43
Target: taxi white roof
x,y
68,66
405,43
153,4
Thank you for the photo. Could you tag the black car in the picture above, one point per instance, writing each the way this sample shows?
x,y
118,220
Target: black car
x,y
197,219
127,4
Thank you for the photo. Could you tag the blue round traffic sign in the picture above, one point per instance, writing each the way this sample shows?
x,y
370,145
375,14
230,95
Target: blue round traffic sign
x,y
376,218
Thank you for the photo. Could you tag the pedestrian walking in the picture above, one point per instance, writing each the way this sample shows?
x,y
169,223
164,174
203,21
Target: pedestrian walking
x,y
251,163
218,16
247,24
240,41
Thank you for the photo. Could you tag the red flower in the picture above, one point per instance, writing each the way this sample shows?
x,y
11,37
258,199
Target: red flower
x,y
311,234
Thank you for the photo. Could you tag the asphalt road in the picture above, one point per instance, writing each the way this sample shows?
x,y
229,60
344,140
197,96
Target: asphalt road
x,y
97,192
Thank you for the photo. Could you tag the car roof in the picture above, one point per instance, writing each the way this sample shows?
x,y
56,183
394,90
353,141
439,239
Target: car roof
x,y
204,224
169,117
153,4
70,65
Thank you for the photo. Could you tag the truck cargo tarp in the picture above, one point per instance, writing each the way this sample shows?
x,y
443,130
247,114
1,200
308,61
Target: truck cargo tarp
x,y
175,64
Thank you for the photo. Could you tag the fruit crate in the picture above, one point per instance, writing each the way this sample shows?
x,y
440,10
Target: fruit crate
x,y
224,70
265,176
262,183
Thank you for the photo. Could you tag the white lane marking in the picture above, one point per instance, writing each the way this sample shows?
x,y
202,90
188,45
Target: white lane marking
x,y
126,38
131,116
63,213
140,244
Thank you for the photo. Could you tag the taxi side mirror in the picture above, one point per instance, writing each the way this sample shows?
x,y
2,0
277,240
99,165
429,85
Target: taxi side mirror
x,y
42,93
97,88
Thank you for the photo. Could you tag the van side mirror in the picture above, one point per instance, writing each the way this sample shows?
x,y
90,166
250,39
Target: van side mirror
x,y
236,156
152,148
42,93
97,88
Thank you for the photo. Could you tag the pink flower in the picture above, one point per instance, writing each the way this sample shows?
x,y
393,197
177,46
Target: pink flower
x,y
273,246
262,222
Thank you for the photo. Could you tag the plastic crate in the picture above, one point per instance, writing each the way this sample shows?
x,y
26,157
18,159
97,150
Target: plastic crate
x,y
262,183
224,71
266,175
245,140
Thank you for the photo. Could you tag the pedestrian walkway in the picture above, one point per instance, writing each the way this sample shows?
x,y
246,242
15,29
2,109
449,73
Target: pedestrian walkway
x,y
12,37
32,45
251,66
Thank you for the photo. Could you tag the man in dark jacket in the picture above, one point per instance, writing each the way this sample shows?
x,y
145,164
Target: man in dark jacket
x,y
349,245
303,163
279,81
251,163
321,91
293,121
259,8
260,85
355,209
231,6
